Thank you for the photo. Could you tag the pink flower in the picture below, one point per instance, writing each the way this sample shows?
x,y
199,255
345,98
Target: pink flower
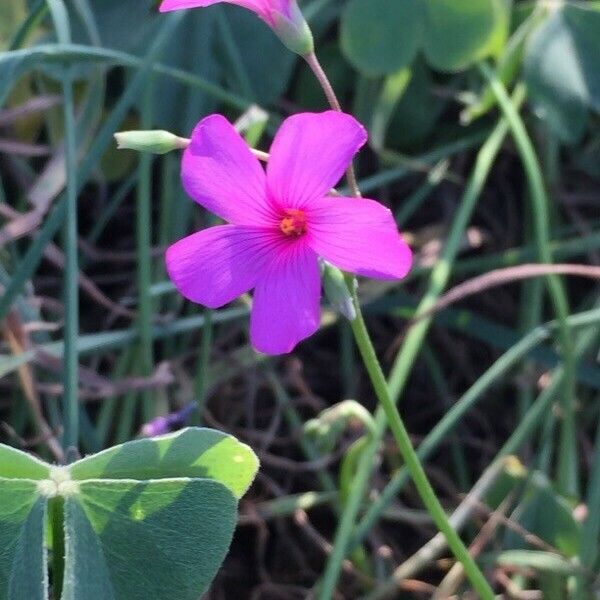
x,y
283,16
281,221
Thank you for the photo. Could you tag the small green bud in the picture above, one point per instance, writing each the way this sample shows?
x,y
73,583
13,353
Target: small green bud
x,y
156,142
293,30
337,291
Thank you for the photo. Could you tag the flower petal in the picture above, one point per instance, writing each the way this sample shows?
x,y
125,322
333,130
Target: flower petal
x,y
286,301
258,6
216,265
309,155
263,8
359,236
220,173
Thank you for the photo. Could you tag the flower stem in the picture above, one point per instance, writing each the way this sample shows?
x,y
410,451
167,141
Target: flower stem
x,y
379,383
70,401
412,462
567,457
144,264
317,69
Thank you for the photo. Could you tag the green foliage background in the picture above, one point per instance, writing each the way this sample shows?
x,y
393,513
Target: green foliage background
x,y
484,141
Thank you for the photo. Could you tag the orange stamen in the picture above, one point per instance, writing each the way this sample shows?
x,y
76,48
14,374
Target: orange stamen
x,y
294,223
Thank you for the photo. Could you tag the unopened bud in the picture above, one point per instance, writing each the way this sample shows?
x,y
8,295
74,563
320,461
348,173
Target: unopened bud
x,y
337,291
292,29
155,142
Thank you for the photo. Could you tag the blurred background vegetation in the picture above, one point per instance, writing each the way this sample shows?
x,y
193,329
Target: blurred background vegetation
x,y
484,142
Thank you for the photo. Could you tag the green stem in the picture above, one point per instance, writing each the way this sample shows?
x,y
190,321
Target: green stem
x,y
588,320
395,423
202,366
410,349
313,62
70,399
591,529
413,464
567,474
144,264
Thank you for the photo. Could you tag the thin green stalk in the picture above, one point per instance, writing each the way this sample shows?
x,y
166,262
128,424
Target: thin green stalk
x,y
144,260
127,413
203,366
440,385
36,14
567,474
70,400
591,526
511,358
530,316
67,53
413,464
534,416
410,349
104,419
392,416
313,62
414,201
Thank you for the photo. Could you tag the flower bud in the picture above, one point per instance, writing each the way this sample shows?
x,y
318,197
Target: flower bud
x,y
291,28
156,142
337,291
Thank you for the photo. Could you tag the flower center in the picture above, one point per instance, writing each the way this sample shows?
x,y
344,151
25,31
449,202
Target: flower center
x,y
293,223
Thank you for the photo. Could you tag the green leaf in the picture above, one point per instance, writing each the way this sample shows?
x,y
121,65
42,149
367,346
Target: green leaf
x,y
561,69
418,111
547,515
543,561
380,37
22,553
139,540
15,63
15,464
457,33
151,518
193,453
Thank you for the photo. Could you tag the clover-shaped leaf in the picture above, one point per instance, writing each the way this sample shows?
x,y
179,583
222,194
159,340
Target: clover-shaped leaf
x,y
380,37
561,69
151,518
22,555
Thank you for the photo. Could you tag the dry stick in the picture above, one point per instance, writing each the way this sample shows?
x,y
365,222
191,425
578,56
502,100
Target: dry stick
x,y
500,277
18,342
8,116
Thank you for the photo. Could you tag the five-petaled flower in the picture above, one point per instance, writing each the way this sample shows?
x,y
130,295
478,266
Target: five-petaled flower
x,y
283,16
280,222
